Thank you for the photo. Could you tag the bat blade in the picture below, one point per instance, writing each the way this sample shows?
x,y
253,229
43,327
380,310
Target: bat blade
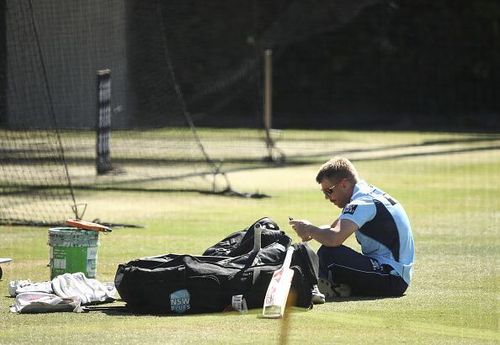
x,y
279,287
82,224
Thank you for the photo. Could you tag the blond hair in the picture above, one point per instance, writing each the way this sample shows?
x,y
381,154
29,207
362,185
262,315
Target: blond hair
x,y
337,168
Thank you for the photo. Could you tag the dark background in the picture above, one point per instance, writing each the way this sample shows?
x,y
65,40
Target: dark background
x,y
414,64
407,64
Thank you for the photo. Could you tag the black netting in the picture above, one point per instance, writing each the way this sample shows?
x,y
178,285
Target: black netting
x,y
179,65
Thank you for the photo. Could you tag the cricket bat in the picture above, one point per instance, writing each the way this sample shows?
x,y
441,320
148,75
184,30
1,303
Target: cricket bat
x,y
279,287
257,240
82,224
3,261
257,244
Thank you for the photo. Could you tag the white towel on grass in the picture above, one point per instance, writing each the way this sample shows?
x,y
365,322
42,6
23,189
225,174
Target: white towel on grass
x,y
42,302
17,287
87,290
66,292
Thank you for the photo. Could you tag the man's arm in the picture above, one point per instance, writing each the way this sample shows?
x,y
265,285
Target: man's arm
x,y
330,237
327,226
334,224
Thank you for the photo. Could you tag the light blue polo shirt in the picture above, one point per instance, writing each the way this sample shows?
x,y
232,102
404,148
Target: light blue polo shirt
x,y
384,230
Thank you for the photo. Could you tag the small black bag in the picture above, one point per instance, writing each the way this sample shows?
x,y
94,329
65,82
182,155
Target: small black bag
x,y
187,284
241,242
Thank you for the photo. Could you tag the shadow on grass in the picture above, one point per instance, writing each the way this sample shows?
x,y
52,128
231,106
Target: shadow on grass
x,y
111,310
360,298
122,310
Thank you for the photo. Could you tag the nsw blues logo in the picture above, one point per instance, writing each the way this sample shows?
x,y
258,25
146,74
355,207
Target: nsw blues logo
x,y
350,209
179,301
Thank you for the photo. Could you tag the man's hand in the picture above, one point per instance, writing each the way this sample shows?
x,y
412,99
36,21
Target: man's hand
x,y
302,228
330,237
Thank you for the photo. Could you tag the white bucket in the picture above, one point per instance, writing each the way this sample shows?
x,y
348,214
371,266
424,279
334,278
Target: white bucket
x,y
73,250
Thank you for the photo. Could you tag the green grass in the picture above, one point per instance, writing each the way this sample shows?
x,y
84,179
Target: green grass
x,y
452,200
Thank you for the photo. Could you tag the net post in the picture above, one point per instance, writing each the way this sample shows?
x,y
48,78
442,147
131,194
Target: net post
x,y
268,93
103,123
273,153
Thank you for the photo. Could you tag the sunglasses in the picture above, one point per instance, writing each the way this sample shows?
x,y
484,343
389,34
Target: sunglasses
x,y
328,192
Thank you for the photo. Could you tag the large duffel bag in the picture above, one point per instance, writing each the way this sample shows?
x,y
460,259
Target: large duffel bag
x,y
228,276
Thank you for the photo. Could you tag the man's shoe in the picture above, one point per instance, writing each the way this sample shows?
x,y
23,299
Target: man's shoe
x,y
317,296
333,290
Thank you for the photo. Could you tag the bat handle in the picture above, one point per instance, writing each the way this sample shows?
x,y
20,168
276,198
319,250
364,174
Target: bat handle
x,y
257,241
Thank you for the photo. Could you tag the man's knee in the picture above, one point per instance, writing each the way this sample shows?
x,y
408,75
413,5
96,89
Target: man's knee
x,y
331,254
327,257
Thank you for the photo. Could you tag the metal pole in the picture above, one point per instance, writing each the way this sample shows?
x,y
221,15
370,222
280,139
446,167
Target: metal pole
x,y
268,93
103,123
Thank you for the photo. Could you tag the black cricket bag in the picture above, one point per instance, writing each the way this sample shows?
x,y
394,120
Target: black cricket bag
x,y
305,261
228,276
